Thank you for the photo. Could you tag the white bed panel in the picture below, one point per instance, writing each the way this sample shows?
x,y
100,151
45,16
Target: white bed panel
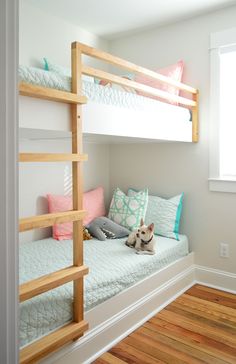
x,y
101,120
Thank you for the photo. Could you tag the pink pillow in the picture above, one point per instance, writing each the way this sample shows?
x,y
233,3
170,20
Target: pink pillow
x,y
93,203
174,71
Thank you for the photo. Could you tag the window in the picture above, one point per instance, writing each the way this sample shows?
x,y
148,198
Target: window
x,y
228,112
223,112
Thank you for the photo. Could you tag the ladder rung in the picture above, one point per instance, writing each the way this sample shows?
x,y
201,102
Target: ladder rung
x,y
52,157
46,220
40,348
50,281
27,89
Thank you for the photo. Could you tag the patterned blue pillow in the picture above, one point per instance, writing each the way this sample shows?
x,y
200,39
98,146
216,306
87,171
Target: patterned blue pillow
x,y
164,213
128,210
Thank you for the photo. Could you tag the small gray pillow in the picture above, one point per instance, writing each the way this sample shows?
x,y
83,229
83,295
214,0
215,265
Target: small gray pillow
x,y
102,228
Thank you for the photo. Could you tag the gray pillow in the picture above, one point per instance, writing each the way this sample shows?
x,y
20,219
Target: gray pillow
x,y
102,228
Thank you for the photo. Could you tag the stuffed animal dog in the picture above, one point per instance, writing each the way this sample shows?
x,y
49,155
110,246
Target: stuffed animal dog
x,y
142,239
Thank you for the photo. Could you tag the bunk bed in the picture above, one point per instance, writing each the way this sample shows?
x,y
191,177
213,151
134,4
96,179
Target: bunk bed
x,y
145,113
136,302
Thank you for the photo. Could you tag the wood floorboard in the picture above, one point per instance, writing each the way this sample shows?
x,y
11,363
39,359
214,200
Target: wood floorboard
x,y
198,327
213,296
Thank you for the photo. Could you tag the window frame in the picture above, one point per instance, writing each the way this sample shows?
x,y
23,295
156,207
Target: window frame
x,y
218,41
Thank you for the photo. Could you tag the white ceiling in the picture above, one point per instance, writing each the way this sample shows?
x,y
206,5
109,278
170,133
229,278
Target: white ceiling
x,y
113,18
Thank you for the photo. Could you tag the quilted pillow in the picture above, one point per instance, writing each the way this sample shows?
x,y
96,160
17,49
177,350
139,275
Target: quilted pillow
x,y
174,71
164,213
128,210
93,203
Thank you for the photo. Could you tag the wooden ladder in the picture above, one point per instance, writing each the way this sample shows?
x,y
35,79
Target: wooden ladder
x,y
53,341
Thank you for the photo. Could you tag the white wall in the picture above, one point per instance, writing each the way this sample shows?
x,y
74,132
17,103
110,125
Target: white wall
x,y
43,35
36,180
168,169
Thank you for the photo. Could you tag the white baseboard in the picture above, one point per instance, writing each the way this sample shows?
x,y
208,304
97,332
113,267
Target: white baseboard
x,y
215,278
116,318
149,297
153,305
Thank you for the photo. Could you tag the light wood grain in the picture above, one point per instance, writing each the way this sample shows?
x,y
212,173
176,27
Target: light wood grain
x,y
228,313
46,220
217,293
52,157
130,354
26,89
203,317
110,359
211,294
184,332
197,326
201,346
40,348
151,345
50,281
195,119
138,86
37,350
192,103
116,61
77,182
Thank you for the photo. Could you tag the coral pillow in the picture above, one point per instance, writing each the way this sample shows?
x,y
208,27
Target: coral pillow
x,y
93,203
174,71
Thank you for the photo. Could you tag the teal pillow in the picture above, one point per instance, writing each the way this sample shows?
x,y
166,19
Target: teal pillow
x,y
128,210
164,213
49,66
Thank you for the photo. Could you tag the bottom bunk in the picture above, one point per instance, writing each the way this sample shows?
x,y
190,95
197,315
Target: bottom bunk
x,y
117,317
114,268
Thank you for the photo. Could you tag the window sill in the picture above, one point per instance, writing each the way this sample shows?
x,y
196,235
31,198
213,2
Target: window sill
x,y
222,185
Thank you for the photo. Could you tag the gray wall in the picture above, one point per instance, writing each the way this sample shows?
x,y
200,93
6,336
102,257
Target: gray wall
x,y
167,169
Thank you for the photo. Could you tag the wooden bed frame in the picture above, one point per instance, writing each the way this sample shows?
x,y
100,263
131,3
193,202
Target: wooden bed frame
x,y
72,331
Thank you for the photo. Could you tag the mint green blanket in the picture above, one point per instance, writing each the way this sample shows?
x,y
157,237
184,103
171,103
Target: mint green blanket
x,y
113,267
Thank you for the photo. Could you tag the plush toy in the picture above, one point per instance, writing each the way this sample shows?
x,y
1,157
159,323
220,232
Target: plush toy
x,y
86,235
103,228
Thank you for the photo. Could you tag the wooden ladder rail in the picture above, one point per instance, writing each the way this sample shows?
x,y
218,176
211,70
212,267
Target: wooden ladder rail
x,y
77,180
72,331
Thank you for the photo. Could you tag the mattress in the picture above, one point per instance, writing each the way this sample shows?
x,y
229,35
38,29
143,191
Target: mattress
x,y
104,95
113,267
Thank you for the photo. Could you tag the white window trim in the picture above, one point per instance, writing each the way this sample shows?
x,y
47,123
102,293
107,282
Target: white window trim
x,y
217,41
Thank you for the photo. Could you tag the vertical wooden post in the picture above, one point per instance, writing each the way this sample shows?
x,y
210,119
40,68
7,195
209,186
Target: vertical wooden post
x,y
77,180
195,130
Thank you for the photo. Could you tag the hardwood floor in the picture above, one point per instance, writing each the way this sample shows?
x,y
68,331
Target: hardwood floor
x,y
198,327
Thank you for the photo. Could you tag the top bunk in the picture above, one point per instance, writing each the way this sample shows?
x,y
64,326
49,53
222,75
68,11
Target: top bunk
x,y
115,108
